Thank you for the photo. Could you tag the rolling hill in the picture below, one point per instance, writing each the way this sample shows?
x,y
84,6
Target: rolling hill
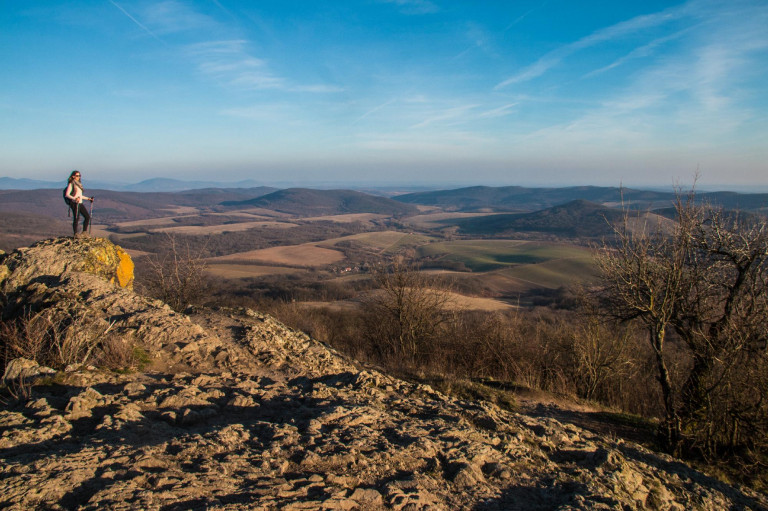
x,y
518,198
578,218
521,199
309,202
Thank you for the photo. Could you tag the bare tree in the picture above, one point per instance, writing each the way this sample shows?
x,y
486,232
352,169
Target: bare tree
x,y
175,274
599,355
708,282
723,320
645,278
407,313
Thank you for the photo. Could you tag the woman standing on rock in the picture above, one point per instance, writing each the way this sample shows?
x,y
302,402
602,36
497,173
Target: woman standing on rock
x,y
73,195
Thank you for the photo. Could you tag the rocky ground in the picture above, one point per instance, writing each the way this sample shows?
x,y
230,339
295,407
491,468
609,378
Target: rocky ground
x,y
237,411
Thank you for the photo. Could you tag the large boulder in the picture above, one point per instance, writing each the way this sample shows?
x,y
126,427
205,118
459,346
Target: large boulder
x,y
55,257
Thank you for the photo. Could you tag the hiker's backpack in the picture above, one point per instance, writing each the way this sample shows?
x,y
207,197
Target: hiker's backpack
x,y
64,194
69,202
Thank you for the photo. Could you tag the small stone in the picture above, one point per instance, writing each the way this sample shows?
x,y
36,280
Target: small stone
x,y
468,475
23,368
134,388
367,497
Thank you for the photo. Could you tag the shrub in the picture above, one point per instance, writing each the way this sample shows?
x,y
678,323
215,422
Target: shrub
x,y
175,275
54,337
407,315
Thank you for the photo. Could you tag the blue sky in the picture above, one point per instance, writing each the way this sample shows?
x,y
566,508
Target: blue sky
x,y
541,92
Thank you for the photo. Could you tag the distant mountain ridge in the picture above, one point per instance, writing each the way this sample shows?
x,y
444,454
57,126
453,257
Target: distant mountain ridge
x,y
158,184
466,199
522,199
310,202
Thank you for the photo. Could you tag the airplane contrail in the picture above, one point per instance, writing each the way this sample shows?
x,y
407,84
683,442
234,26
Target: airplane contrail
x,y
137,22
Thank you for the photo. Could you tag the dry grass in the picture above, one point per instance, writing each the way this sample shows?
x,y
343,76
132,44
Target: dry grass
x,y
219,229
244,214
182,210
338,306
454,302
461,302
306,255
423,208
345,219
262,211
431,219
381,240
375,240
239,271
650,222
151,222
100,231
54,337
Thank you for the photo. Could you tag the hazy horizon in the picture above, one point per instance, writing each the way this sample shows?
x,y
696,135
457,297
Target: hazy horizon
x,y
388,92
375,185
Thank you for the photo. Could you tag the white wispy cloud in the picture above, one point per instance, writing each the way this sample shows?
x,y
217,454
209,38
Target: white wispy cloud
x,y
228,60
454,115
618,30
499,111
479,38
257,79
690,101
272,112
414,6
373,110
221,47
171,16
223,67
696,95
319,88
640,52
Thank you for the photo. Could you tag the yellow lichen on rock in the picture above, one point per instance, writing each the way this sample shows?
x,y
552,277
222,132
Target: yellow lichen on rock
x,y
124,269
59,256
109,261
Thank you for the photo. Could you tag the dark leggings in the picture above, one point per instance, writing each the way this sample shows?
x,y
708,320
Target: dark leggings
x,y
82,213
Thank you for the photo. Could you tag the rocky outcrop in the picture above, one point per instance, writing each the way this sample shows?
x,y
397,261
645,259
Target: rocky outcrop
x,y
240,412
52,259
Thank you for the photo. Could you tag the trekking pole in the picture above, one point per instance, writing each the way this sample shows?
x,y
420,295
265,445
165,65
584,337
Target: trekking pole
x,y
91,222
77,216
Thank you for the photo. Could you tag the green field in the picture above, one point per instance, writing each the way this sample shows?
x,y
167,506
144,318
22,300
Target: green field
x,y
556,273
490,255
